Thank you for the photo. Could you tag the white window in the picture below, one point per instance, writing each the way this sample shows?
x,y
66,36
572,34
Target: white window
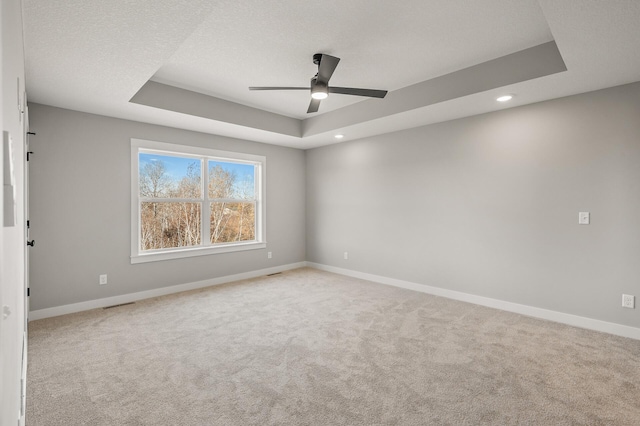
x,y
189,201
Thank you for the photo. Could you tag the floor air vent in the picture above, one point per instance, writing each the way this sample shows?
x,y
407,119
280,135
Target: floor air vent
x,y
121,304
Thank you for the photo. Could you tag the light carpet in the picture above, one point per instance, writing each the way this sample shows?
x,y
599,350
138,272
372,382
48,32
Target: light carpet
x,y
308,347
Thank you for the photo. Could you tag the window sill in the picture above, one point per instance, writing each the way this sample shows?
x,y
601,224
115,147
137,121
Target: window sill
x,y
196,251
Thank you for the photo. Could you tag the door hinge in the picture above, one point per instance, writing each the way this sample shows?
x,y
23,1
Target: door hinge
x,y
28,291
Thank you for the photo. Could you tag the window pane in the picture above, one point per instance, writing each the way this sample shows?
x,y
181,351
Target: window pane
x,y
233,222
231,180
169,225
163,176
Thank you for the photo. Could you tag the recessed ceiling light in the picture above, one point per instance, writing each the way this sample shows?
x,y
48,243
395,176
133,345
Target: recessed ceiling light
x,y
339,136
504,98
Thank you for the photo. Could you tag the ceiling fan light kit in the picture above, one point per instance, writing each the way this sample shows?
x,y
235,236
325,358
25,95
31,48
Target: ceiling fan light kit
x,y
320,88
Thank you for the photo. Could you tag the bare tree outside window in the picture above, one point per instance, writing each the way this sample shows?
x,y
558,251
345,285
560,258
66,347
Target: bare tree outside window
x,y
172,202
230,220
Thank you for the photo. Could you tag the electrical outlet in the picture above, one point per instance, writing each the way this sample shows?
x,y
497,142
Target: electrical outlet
x,y
628,301
584,218
346,255
268,255
103,279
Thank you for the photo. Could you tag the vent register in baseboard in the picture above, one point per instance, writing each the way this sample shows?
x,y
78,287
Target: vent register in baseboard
x,y
121,304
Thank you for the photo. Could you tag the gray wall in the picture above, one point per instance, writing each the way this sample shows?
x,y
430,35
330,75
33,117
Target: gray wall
x,y
488,205
81,209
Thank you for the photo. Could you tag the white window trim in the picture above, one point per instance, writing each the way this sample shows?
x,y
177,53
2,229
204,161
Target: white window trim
x,y
138,256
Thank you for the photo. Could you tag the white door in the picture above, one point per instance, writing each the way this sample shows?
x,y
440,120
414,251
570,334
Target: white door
x,y
23,382
30,243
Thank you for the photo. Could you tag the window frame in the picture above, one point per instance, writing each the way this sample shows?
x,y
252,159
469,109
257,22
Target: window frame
x,y
205,155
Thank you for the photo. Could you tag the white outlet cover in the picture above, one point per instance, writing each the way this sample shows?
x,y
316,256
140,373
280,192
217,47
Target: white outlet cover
x,y
628,301
583,218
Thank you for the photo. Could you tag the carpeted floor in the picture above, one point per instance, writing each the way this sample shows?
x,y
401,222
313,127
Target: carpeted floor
x,y
313,348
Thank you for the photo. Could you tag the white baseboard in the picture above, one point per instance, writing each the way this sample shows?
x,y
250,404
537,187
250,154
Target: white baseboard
x,y
132,297
574,320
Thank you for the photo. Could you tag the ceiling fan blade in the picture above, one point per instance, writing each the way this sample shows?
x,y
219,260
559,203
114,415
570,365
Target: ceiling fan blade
x,y
326,68
370,93
313,106
278,88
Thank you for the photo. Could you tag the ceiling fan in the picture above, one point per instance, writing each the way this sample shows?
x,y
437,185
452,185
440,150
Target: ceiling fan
x,y
320,88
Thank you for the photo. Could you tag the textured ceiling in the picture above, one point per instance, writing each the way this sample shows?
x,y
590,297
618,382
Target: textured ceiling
x,y
389,46
188,64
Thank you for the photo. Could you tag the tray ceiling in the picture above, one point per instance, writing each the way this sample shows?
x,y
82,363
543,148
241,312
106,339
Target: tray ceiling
x,y
188,64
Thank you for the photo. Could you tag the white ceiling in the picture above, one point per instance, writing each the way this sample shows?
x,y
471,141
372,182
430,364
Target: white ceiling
x,y
434,56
